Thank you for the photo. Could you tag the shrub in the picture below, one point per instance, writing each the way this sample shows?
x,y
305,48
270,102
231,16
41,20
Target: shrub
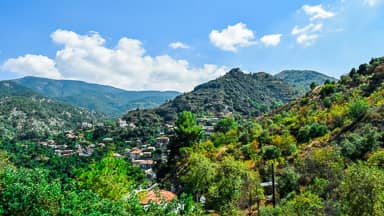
x,y
271,152
358,108
317,130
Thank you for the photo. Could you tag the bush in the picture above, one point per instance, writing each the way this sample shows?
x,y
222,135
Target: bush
x,y
317,130
303,135
327,89
358,108
356,145
271,152
287,182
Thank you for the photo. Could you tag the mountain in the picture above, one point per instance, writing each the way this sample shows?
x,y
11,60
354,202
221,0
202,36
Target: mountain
x,y
303,78
26,114
236,91
109,100
326,147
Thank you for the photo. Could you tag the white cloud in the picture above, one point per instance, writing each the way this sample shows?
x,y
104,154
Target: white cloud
x,y
127,66
271,40
306,40
310,28
317,12
307,35
371,3
178,45
36,65
232,37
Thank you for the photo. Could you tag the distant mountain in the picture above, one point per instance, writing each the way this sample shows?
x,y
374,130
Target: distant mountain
x,y
303,78
26,114
236,91
109,100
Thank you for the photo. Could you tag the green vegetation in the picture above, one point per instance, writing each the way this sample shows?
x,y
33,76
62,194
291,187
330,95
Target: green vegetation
x,y
303,79
326,150
104,99
27,115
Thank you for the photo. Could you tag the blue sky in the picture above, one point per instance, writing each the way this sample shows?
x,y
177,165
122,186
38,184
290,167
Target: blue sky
x,y
179,44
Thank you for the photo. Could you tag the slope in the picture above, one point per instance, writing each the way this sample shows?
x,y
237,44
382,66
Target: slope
x,y
303,78
100,98
25,114
237,92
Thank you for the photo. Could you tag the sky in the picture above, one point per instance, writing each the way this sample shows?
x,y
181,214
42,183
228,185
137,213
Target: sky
x,y
176,45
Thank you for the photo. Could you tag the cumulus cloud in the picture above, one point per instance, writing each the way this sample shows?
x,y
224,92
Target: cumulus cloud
x,y
307,35
178,45
127,66
232,37
271,40
36,65
317,12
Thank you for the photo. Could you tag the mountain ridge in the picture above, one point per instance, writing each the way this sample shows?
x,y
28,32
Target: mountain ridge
x,y
101,98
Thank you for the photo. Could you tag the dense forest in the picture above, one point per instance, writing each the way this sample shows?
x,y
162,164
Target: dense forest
x,y
324,149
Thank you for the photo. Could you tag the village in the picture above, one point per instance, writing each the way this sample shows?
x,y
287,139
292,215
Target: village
x,y
144,155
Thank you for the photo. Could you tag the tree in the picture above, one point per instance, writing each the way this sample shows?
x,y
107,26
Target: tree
x,y
225,124
187,130
313,85
356,145
306,204
200,175
287,182
362,190
111,177
271,152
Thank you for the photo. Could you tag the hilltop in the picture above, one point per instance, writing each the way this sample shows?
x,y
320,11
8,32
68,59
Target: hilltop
x,y
303,78
246,94
100,98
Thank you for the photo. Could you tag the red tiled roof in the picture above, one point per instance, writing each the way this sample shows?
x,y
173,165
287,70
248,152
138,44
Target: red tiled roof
x,y
157,196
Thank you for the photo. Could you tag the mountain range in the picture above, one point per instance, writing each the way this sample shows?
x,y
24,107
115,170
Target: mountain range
x,y
100,98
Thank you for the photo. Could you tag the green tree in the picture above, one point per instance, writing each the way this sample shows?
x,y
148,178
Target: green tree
x,y
111,177
187,130
226,124
306,204
362,191
358,108
287,182
200,175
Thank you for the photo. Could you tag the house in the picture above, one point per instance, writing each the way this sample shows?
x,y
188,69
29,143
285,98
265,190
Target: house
x,y
86,125
70,136
157,196
99,124
150,174
144,164
162,141
151,148
132,125
108,140
136,153
209,129
147,154
117,155
122,123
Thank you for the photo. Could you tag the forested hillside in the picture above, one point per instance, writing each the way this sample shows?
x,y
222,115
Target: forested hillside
x,y
236,92
303,78
99,98
26,115
326,148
